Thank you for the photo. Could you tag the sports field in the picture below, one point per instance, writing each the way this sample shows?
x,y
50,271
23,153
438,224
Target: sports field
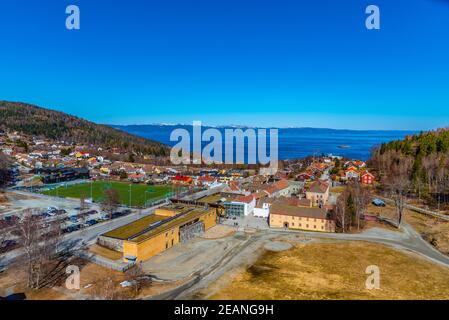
x,y
139,192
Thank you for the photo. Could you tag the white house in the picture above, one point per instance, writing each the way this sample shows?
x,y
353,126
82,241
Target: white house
x,y
262,210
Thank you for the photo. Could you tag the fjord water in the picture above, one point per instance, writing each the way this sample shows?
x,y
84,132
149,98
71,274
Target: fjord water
x,y
295,142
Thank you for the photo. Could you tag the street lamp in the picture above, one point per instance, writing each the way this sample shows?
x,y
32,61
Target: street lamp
x,y
145,195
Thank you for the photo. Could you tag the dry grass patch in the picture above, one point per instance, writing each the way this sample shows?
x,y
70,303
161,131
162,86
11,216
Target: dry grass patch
x,y
338,189
337,271
105,252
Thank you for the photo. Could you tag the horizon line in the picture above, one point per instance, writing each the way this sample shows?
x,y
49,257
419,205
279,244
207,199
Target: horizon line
x,y
235,126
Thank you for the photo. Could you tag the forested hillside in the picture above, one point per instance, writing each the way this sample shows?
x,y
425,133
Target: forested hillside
x,y
39,122
421,160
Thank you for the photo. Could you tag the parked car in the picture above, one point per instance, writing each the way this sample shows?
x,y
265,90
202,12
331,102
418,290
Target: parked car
x,y
11,219
379,203
7,245
60,212
71,229
91,222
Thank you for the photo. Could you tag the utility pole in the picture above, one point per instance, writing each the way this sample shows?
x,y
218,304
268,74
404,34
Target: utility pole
x,y
130,190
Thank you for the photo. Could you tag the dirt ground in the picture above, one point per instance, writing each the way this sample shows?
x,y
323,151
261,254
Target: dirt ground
x,y
433,230
336,271
3,198
93,280
14,281
15,196
218,232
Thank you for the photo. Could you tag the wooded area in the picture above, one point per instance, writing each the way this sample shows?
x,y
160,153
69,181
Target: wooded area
x,y
45,123
416,167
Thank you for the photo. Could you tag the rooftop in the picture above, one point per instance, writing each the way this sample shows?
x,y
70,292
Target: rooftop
x,y
154,224
318,187
285,209
214,198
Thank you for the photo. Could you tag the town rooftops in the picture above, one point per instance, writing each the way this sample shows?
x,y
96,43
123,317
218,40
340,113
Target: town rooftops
x,y
207,179
318,187
304,202
245,199
281,184
265,200
283,208
182,178
294,201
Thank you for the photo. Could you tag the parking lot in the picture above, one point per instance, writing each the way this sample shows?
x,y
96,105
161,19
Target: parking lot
x,y
49,210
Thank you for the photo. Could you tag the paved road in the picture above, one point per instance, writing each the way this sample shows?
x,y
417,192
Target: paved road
x,y
409,240
87,236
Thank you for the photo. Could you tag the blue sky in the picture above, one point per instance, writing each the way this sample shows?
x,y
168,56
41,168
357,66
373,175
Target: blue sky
x,y
253,62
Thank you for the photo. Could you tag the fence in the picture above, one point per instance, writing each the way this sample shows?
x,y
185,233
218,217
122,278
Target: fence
x,y
419,210
122,267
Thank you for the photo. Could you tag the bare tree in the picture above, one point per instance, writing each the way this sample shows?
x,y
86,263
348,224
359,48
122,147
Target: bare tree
x,y
40,243
136,276
106,289
110,202
361,197
342,219
398,184
83,208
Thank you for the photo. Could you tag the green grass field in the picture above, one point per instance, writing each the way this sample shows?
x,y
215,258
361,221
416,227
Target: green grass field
x,y
139,192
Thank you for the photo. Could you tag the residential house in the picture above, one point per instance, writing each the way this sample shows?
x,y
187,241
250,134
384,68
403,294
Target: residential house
x,y
304,176
367,178
137,177
318,193
351,174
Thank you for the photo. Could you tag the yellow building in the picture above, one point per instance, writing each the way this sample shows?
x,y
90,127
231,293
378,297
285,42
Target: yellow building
x,y
318,193
286,216
168,226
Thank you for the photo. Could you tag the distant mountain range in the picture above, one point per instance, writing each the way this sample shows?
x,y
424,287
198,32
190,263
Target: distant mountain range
x,y
293,142
44,123
154,139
